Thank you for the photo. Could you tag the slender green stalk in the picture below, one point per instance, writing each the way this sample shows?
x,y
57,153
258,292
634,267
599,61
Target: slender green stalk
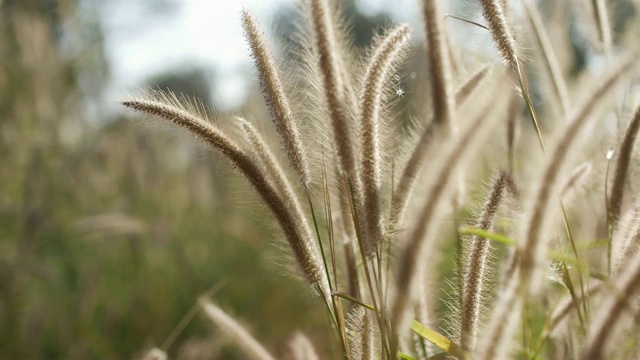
x,y
550,61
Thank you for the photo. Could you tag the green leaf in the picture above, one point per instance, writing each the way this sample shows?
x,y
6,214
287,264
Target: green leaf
x,y
432,336
406,356
499,238
440,341
352,299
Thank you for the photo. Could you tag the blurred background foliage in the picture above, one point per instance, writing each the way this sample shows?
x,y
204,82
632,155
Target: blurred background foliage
x,y
110,228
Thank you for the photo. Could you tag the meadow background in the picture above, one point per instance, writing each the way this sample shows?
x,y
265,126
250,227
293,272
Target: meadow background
x,y
111,226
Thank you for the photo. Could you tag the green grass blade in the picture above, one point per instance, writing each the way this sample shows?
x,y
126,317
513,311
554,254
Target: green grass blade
x,y
354,300
499,238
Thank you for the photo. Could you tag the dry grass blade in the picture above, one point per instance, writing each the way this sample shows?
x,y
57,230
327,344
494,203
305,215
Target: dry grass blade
x,y
550,61
602,24
235,332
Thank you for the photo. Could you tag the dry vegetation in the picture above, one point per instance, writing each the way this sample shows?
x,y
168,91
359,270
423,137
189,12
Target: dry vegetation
x,y
546,266
436,200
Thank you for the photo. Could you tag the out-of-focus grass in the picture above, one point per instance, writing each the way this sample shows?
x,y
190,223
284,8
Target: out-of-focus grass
x,y
107,237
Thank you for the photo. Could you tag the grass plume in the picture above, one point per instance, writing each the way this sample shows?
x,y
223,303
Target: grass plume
x,y
334,87
475,269
439,64
502,33
298,237
378,72
276,99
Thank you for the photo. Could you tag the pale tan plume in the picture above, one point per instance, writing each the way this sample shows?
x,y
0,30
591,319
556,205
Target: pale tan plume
x,y
276,99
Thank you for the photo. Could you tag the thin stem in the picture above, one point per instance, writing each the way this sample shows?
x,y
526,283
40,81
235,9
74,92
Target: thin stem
x,y
315,224
530,108
335,313
365,265
607,206
334,320
193,311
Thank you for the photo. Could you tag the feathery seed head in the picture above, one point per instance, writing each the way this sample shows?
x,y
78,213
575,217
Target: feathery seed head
x,y
290,219
439,64
276,99
500,30
378,72
475,268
